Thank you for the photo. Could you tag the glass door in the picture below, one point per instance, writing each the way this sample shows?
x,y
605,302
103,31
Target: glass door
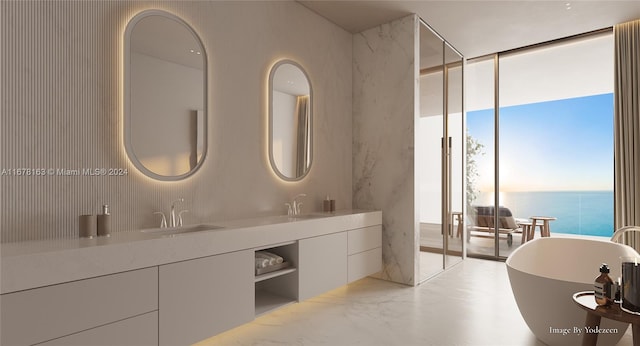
x,y
480,157
439,155
429,129
453,165
539,143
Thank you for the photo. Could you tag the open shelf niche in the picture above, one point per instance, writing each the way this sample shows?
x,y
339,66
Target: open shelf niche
x,y
278,288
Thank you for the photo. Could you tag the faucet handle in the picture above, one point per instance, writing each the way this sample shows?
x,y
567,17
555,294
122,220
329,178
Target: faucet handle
x,y
180,216
299,208
163,222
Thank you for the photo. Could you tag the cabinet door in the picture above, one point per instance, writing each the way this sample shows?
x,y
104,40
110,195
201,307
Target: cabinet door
x,y
140,331
323,264
203,297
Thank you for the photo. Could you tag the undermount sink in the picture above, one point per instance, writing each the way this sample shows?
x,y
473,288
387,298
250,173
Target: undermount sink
x,y
305,216
182,229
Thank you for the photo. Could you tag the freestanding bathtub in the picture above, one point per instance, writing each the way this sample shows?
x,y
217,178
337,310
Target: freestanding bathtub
x,y
546,272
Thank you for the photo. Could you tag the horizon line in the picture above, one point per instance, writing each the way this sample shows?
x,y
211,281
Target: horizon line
x,y
574,190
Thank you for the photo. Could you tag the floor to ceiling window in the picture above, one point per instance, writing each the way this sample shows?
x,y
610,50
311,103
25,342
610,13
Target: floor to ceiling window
x,y
550,143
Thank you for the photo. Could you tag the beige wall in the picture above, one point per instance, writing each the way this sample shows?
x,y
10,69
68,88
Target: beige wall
x,y
61,108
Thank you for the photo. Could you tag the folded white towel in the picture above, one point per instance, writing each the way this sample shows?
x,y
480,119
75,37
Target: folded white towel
x,y
263,255
261,263
276,257
273,258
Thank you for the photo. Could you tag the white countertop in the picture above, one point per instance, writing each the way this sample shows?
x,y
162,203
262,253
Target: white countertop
x,y
32,264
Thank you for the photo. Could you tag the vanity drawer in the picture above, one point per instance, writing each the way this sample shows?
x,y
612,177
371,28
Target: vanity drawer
x,y
364,239
42,314
139,331
364,264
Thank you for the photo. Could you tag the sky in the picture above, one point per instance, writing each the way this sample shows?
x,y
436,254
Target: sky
x,y
562,145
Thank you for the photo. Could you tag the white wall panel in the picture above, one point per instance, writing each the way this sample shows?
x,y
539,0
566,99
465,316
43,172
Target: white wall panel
x,y
60,96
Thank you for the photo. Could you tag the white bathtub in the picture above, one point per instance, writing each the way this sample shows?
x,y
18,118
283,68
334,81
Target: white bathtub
x,y
546,272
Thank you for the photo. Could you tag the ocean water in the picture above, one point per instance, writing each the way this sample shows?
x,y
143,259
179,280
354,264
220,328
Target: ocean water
x,y
577,212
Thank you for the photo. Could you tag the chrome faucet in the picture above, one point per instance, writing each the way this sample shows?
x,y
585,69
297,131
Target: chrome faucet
x,y
173,220
295,207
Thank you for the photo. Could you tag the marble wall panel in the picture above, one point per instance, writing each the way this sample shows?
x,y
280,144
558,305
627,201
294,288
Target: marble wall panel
x,y
385,82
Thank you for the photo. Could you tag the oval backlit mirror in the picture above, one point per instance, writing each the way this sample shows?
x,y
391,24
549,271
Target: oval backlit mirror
x,y
165,103
290,120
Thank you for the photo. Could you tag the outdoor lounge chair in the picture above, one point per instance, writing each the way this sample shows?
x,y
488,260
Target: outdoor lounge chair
x,y
483,223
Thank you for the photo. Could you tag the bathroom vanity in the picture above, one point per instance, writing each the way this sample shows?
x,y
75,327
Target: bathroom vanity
x,y
159,288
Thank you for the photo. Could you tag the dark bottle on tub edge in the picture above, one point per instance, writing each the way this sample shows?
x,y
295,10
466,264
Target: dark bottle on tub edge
x,y
603,286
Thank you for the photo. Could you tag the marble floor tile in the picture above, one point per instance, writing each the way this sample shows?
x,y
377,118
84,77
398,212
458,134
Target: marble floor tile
x,y
470,304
